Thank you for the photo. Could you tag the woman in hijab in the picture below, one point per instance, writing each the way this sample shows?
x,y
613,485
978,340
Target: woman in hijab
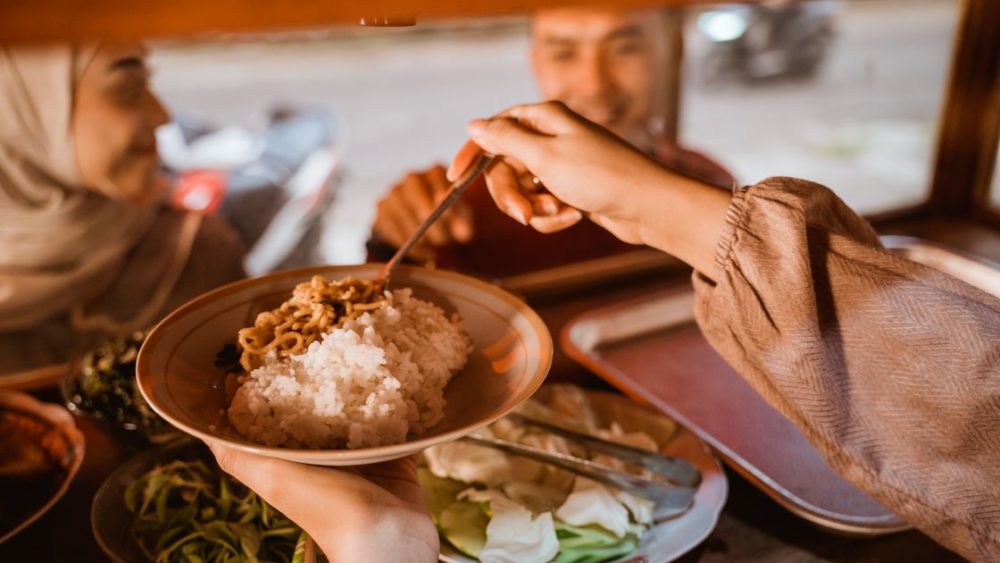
x,y
86,244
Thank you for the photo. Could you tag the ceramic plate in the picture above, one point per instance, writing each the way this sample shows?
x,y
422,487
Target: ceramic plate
x,y
512,354
671,539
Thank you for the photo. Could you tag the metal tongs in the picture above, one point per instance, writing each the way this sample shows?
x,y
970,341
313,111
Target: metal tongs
x,y
670,499
456,190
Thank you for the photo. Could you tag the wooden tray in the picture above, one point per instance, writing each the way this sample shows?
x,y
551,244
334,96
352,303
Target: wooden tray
x,y
651,349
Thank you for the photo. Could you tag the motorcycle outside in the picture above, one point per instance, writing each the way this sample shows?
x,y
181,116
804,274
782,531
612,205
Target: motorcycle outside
x,y
769,40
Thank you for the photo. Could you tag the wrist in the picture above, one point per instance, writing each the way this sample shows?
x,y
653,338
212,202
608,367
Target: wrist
x,y
655,207
684,218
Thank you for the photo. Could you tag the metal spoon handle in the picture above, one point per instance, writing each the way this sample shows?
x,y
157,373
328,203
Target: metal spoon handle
x,y
679,471
457,189
669,500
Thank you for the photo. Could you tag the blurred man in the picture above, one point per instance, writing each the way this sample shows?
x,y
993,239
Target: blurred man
x,y
603,63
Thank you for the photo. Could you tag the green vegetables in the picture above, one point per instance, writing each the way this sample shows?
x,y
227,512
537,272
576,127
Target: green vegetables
x,y
591,544
463,524
106,389
188,511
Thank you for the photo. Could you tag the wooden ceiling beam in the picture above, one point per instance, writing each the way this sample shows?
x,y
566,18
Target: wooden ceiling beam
x,y
22,21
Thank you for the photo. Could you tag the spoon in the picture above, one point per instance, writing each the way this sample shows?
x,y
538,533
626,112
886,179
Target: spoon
x,y
456,190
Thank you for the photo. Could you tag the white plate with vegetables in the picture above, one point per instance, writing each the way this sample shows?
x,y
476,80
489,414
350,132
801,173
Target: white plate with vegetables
x,y
492,506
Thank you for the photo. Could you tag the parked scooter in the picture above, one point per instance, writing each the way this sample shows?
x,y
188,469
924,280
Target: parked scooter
x,y
767,40
272,187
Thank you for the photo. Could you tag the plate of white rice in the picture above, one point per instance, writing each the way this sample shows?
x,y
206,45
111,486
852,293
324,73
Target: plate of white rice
x,y
371,382
444,355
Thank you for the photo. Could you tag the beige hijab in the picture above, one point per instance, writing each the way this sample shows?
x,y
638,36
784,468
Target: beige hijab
x,y
63,247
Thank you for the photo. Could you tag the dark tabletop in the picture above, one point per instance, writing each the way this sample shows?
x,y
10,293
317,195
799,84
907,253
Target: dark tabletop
x,y
752,527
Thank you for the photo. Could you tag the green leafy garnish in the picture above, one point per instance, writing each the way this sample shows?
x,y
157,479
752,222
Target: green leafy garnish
x,y
106,389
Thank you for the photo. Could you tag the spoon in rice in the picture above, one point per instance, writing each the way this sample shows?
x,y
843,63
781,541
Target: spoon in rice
x,y
458,187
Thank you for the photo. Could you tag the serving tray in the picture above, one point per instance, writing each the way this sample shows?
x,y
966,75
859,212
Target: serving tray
x,y
652,350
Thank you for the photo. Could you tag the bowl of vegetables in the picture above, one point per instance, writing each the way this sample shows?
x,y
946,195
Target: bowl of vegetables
x,y
172,503
492,506
101,384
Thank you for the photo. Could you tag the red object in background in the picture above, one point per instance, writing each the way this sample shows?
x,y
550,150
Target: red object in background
x,y
199,190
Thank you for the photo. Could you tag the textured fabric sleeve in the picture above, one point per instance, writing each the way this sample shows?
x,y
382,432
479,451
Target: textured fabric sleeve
x,y
890,368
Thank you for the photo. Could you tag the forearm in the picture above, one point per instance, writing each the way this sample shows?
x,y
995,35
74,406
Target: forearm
x,y
682,217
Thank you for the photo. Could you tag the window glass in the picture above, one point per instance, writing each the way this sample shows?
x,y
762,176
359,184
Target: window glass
x,y
844,93
401,98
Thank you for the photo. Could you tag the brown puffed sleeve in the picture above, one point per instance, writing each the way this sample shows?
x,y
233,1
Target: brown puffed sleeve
x,y
890,368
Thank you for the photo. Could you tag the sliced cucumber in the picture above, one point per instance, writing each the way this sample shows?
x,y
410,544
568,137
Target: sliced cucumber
x,y
626,545
584,537
463,524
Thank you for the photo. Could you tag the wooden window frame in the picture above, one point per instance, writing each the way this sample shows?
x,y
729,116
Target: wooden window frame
x,y
970,122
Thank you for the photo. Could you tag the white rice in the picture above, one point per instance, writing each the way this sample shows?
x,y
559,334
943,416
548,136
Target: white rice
x,y
372,382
